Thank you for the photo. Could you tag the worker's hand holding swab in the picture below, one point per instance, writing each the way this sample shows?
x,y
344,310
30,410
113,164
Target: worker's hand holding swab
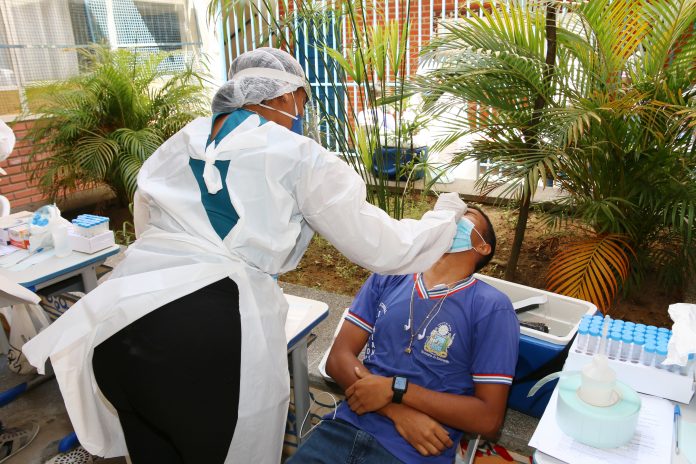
x,y
451,202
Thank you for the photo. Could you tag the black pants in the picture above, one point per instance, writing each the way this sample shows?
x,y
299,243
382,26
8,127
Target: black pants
x,y
173,377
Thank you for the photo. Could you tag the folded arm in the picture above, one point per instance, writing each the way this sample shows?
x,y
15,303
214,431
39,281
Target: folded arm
x,y
424,433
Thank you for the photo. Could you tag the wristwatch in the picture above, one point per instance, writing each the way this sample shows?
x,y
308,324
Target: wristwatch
x,y
399,387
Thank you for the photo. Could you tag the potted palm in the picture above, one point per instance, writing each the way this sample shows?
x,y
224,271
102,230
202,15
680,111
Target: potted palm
x,y
101,125
403,153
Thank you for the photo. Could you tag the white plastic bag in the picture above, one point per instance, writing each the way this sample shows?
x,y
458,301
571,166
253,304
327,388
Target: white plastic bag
x,y
27,320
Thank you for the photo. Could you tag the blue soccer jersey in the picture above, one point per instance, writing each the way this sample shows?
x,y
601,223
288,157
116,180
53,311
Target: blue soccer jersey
x,y
469,337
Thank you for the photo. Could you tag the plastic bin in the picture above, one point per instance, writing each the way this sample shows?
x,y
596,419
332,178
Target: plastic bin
x,y
388,165
540,353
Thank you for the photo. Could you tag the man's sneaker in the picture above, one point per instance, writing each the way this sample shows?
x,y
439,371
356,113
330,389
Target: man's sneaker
x,y
78,455
15,439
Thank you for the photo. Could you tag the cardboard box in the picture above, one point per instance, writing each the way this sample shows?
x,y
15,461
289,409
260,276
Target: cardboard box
x,y
92,244
13,220
19,236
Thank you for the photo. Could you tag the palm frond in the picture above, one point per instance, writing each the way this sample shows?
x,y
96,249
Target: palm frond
x,y
591,270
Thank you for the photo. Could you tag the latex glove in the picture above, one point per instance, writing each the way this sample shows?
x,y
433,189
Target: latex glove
x,y
369,393
422,432
451,202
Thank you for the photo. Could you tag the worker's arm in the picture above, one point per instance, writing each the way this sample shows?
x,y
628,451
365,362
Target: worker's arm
x,y
332,198
481,413
421,431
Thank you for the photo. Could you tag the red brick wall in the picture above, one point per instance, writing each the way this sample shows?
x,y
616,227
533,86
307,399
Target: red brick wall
x,y
16,185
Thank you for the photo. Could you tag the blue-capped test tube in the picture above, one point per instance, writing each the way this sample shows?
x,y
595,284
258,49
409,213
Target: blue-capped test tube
x,y
583,336
594,339
613,344
637,351
626,346
684,370
660,355
648,354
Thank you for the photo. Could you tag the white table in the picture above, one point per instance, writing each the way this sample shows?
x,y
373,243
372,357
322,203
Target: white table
x,y
304,315
55,270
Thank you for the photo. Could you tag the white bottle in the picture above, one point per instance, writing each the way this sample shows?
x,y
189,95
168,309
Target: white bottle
x,y
61,241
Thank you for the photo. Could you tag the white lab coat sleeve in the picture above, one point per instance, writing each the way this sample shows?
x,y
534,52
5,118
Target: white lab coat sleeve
x,y
332,198
141,213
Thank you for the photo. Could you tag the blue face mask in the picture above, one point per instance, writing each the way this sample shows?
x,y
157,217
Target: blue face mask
x,y
462,238
297,125
296,120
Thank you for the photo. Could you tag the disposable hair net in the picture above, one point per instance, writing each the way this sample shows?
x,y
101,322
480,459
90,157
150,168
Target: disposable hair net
x,y
257,76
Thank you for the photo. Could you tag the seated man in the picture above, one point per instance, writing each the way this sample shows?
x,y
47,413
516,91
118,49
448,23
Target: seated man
x,y
440,357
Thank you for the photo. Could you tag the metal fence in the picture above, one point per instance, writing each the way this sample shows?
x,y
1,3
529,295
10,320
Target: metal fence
x,y
40,40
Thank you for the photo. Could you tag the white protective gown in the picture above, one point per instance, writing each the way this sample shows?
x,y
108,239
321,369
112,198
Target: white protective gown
x,y
284,187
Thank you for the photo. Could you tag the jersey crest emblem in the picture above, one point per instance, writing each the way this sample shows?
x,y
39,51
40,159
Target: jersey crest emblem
x,y
439,341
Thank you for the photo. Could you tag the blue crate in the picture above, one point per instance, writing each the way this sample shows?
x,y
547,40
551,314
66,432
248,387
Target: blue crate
x,y
388,162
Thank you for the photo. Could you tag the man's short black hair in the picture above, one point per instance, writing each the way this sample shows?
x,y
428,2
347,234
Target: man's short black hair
x,y
489,236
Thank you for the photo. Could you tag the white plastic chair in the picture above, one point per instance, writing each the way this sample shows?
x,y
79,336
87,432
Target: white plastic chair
x,y
4,206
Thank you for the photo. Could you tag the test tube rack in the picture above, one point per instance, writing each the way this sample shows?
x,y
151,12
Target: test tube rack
x,y
642,378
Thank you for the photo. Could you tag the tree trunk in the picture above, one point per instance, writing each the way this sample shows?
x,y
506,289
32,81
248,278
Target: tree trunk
x,y
520,228
530,134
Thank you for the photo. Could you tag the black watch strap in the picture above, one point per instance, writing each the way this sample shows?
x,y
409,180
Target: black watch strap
x,y
399,387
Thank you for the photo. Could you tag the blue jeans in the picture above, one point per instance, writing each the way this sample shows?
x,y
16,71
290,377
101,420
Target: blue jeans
x,y
337,442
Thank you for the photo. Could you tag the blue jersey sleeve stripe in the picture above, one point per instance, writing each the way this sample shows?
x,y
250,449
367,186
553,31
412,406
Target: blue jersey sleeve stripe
x,y
359,322
493,378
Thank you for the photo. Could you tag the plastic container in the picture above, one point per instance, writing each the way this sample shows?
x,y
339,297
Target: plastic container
x,y
61,241
541,353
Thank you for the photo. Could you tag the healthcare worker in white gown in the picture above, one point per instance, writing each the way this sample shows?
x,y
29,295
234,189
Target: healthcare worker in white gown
x,y
180,356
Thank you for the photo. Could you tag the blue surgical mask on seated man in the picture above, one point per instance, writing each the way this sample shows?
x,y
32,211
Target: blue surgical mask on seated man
x,y
462,238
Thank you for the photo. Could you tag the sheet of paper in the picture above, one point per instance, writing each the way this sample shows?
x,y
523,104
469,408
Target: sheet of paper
x,y
32,260
12,259
651,443
7,250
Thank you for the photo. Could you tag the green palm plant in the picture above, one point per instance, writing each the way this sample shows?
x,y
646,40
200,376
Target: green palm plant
x,y
616,128
100,126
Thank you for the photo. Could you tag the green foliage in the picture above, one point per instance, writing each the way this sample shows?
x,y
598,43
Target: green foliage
x,y
616,131
100,126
